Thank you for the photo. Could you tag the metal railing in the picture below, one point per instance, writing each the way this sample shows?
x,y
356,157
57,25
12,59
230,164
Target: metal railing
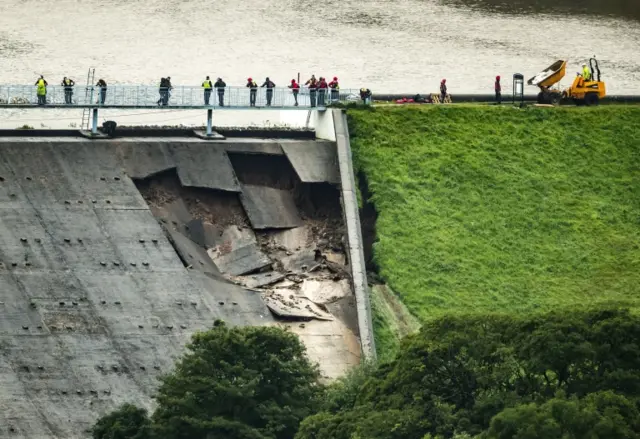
x,y
132,96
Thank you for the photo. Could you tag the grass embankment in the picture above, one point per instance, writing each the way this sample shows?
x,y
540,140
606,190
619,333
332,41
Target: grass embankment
x,y
503,209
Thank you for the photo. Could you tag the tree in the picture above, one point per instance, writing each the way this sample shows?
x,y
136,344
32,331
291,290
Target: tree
x,y
601,415
459,372
127,422
236,383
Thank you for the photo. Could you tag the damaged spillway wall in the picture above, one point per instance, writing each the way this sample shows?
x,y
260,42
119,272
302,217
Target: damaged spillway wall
x,y
114,252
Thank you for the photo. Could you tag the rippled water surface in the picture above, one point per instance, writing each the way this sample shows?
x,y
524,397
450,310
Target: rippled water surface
x,y
389,46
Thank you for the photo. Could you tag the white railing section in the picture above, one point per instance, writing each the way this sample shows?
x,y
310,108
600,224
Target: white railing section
x,y
132,96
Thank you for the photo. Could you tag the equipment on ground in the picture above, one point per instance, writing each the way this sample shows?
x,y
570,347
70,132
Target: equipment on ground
x,y
109,127
587,92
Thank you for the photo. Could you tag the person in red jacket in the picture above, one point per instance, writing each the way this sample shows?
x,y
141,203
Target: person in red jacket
x,y
322,91
253,90
295,88
335,89
498,90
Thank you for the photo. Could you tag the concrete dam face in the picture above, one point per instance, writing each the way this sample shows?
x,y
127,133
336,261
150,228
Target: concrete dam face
x,y
114,252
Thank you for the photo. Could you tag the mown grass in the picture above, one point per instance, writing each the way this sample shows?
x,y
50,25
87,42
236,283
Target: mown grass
x,y
485,208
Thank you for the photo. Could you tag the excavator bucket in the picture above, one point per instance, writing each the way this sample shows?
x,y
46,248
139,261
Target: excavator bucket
x,y
549,76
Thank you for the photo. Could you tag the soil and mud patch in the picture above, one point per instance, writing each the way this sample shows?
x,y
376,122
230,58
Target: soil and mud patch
x,y
213,206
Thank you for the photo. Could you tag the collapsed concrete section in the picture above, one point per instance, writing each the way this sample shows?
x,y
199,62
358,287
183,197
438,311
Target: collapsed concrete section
x,y
113,252
276,235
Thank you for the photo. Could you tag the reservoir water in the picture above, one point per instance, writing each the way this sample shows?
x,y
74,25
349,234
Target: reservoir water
x,y
388,46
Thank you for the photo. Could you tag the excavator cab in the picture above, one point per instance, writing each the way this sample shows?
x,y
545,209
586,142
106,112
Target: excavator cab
x,y
587,92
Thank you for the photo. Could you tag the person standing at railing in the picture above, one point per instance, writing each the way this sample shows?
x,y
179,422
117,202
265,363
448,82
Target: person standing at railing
x,y
167,93
270,86
161,91
220,85
41,91
102,85
68,84
365,95
312,83
335,89
207,90
253,90
322,91
295,88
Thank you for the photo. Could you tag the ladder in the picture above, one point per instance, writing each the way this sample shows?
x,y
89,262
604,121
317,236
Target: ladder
x,y
88,98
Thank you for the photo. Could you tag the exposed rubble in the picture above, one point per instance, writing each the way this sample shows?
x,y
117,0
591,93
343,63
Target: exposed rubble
x,y
301,272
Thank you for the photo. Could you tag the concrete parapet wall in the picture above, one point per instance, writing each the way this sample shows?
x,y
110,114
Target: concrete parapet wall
x,y
323,122
354,232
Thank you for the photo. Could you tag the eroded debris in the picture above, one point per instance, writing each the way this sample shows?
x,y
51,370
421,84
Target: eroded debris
x,y
300,271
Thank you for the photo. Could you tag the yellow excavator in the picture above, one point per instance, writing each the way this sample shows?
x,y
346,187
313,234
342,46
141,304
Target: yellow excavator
x,y
583,91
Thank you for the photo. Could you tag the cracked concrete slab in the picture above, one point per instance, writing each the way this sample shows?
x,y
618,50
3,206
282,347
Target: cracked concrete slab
x,y
313,161
238,252
289,304
325,291
200,165
269,208
260,279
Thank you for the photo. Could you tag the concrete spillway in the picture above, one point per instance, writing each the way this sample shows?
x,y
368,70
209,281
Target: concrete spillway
x,y
113,252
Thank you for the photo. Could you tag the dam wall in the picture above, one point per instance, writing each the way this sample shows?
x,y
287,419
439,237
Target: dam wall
x,y
114,252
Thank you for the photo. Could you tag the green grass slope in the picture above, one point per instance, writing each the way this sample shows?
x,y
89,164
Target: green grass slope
x,y
485,208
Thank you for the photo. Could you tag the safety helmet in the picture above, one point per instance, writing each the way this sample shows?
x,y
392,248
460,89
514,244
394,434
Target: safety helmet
x,y
249,79
335,78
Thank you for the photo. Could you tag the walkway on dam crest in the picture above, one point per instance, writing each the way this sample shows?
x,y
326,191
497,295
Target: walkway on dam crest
x,y
188,98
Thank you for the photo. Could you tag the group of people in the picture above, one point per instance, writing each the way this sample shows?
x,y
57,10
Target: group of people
x,y
68,84
317,90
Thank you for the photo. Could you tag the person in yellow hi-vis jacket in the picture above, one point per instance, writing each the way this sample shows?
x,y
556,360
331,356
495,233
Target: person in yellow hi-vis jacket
x,y
207,85
586,73
41,90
